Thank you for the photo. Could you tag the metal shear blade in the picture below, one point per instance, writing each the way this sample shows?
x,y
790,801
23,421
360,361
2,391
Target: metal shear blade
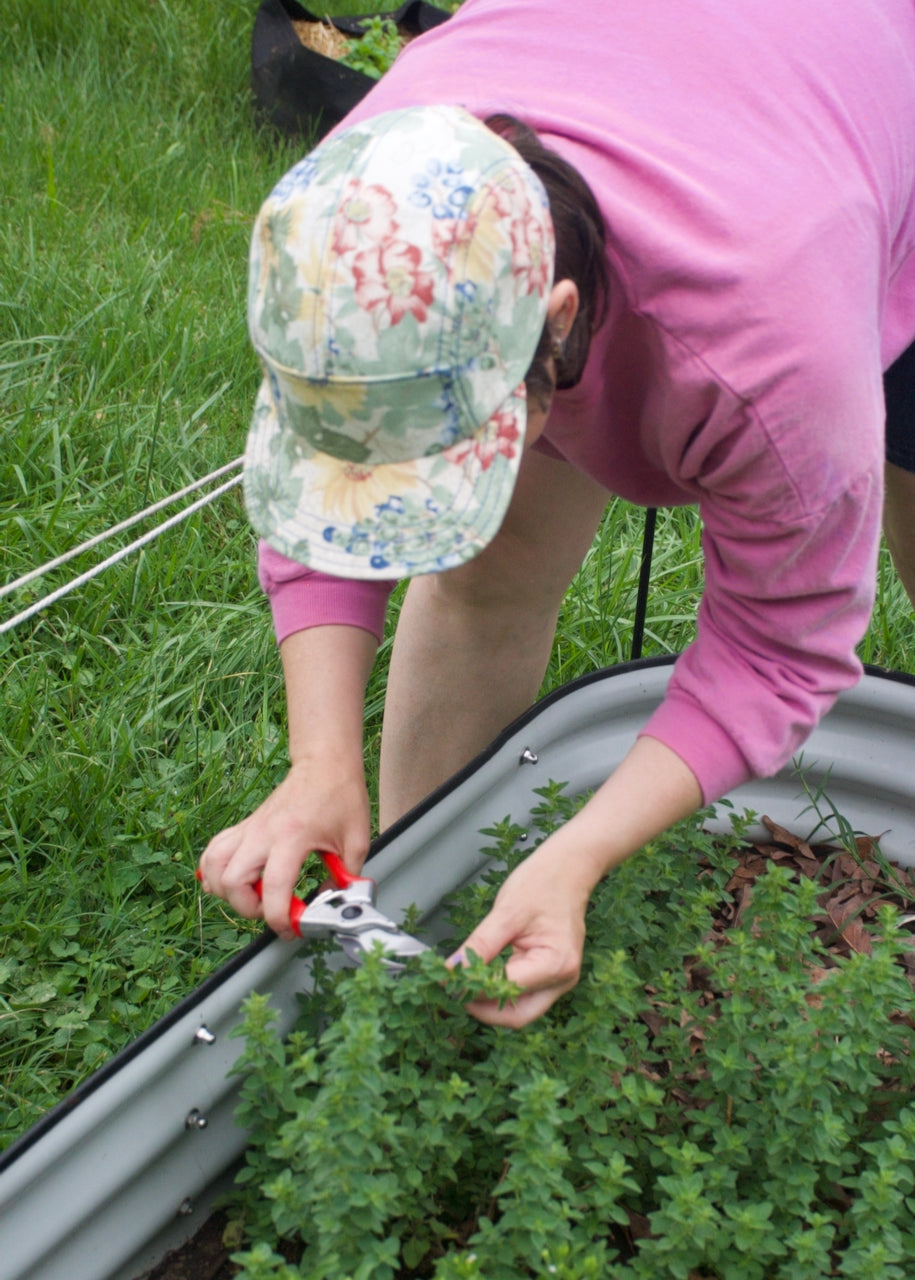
x,y
347,913
350,916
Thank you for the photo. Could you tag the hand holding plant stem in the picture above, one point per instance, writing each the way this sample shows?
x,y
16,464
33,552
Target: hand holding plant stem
x,y
540,909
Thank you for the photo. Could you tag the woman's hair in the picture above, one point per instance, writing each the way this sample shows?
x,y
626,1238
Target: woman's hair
x,y
580,255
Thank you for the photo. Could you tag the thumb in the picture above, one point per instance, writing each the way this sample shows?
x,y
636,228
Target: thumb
x,y
486,941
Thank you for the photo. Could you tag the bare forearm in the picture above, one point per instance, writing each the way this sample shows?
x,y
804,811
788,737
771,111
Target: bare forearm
x,y
326,670
648,792
322,803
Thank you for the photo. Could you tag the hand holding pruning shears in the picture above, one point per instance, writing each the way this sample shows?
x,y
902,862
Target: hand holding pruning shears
x,y
318,805
346,912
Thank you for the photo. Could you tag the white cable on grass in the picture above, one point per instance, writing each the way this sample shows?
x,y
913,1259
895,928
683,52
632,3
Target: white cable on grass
x,y
117,528
118,555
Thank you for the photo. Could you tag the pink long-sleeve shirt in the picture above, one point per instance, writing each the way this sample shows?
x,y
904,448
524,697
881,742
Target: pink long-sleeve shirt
x,y
755,164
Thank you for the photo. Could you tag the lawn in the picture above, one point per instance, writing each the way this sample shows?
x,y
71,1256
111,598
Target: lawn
x,y
144,711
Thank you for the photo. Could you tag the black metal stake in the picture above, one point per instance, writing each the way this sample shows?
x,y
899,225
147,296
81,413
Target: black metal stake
x,y
641,604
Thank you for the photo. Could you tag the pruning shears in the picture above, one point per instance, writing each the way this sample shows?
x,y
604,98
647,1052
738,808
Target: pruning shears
x,y
346,912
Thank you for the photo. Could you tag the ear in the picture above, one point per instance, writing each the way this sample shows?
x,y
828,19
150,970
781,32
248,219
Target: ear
x,y
562,308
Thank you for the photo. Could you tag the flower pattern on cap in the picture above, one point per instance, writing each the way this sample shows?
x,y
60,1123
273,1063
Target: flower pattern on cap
x,y
389,281
353,491
398,289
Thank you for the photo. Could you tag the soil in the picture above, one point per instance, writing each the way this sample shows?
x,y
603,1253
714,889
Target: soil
x,y
204,1257
853,889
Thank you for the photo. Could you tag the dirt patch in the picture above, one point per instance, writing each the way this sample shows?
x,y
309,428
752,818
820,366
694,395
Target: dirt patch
x,y
204,1257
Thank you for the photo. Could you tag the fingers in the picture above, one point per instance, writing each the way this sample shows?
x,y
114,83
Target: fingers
x,y
230,868
236,859
254,850
545,963
216,857
517,1013
278,883
490,937
306,812
543,977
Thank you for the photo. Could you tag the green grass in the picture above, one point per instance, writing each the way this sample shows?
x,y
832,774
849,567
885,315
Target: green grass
x,y
144,712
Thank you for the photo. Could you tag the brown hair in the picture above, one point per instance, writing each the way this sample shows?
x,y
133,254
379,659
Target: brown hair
x,y
580,255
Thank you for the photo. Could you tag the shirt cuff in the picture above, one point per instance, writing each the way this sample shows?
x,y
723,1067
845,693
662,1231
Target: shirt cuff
x,y
701,743
301,598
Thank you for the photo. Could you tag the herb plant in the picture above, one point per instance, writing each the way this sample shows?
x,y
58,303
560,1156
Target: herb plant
x,y
729,1117
375,50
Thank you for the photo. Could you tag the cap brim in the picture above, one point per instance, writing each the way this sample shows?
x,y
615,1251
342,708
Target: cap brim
x,y
386,520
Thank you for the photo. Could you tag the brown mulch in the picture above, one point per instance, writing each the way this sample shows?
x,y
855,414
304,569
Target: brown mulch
x,y
854,887
853,890
204,1257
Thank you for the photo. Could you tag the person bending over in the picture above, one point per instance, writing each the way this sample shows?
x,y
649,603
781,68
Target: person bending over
x,y
666,255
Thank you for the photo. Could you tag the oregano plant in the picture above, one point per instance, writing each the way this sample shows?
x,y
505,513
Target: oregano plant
x,y
707,1103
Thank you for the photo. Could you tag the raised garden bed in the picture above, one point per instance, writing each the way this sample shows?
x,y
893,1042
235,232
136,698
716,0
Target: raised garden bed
x,y
114,1179
737,954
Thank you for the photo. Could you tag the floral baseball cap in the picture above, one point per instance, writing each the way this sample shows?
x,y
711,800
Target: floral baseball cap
x,y
399,282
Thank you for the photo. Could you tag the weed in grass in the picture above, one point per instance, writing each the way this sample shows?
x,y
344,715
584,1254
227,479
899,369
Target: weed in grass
x,y
890,638
597,619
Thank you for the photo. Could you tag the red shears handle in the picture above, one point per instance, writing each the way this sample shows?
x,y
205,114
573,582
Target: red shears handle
x,y
337,871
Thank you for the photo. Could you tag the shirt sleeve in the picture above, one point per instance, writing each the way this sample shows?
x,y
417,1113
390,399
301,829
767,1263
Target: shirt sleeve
x,y
301,597
790,540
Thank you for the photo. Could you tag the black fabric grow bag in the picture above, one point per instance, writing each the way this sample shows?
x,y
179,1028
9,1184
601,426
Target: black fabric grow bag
x,y
303,93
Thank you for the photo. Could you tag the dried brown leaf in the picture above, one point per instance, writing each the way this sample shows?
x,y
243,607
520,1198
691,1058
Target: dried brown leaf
x,y
858,938
787,838
639,1226
652,1019
817,974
